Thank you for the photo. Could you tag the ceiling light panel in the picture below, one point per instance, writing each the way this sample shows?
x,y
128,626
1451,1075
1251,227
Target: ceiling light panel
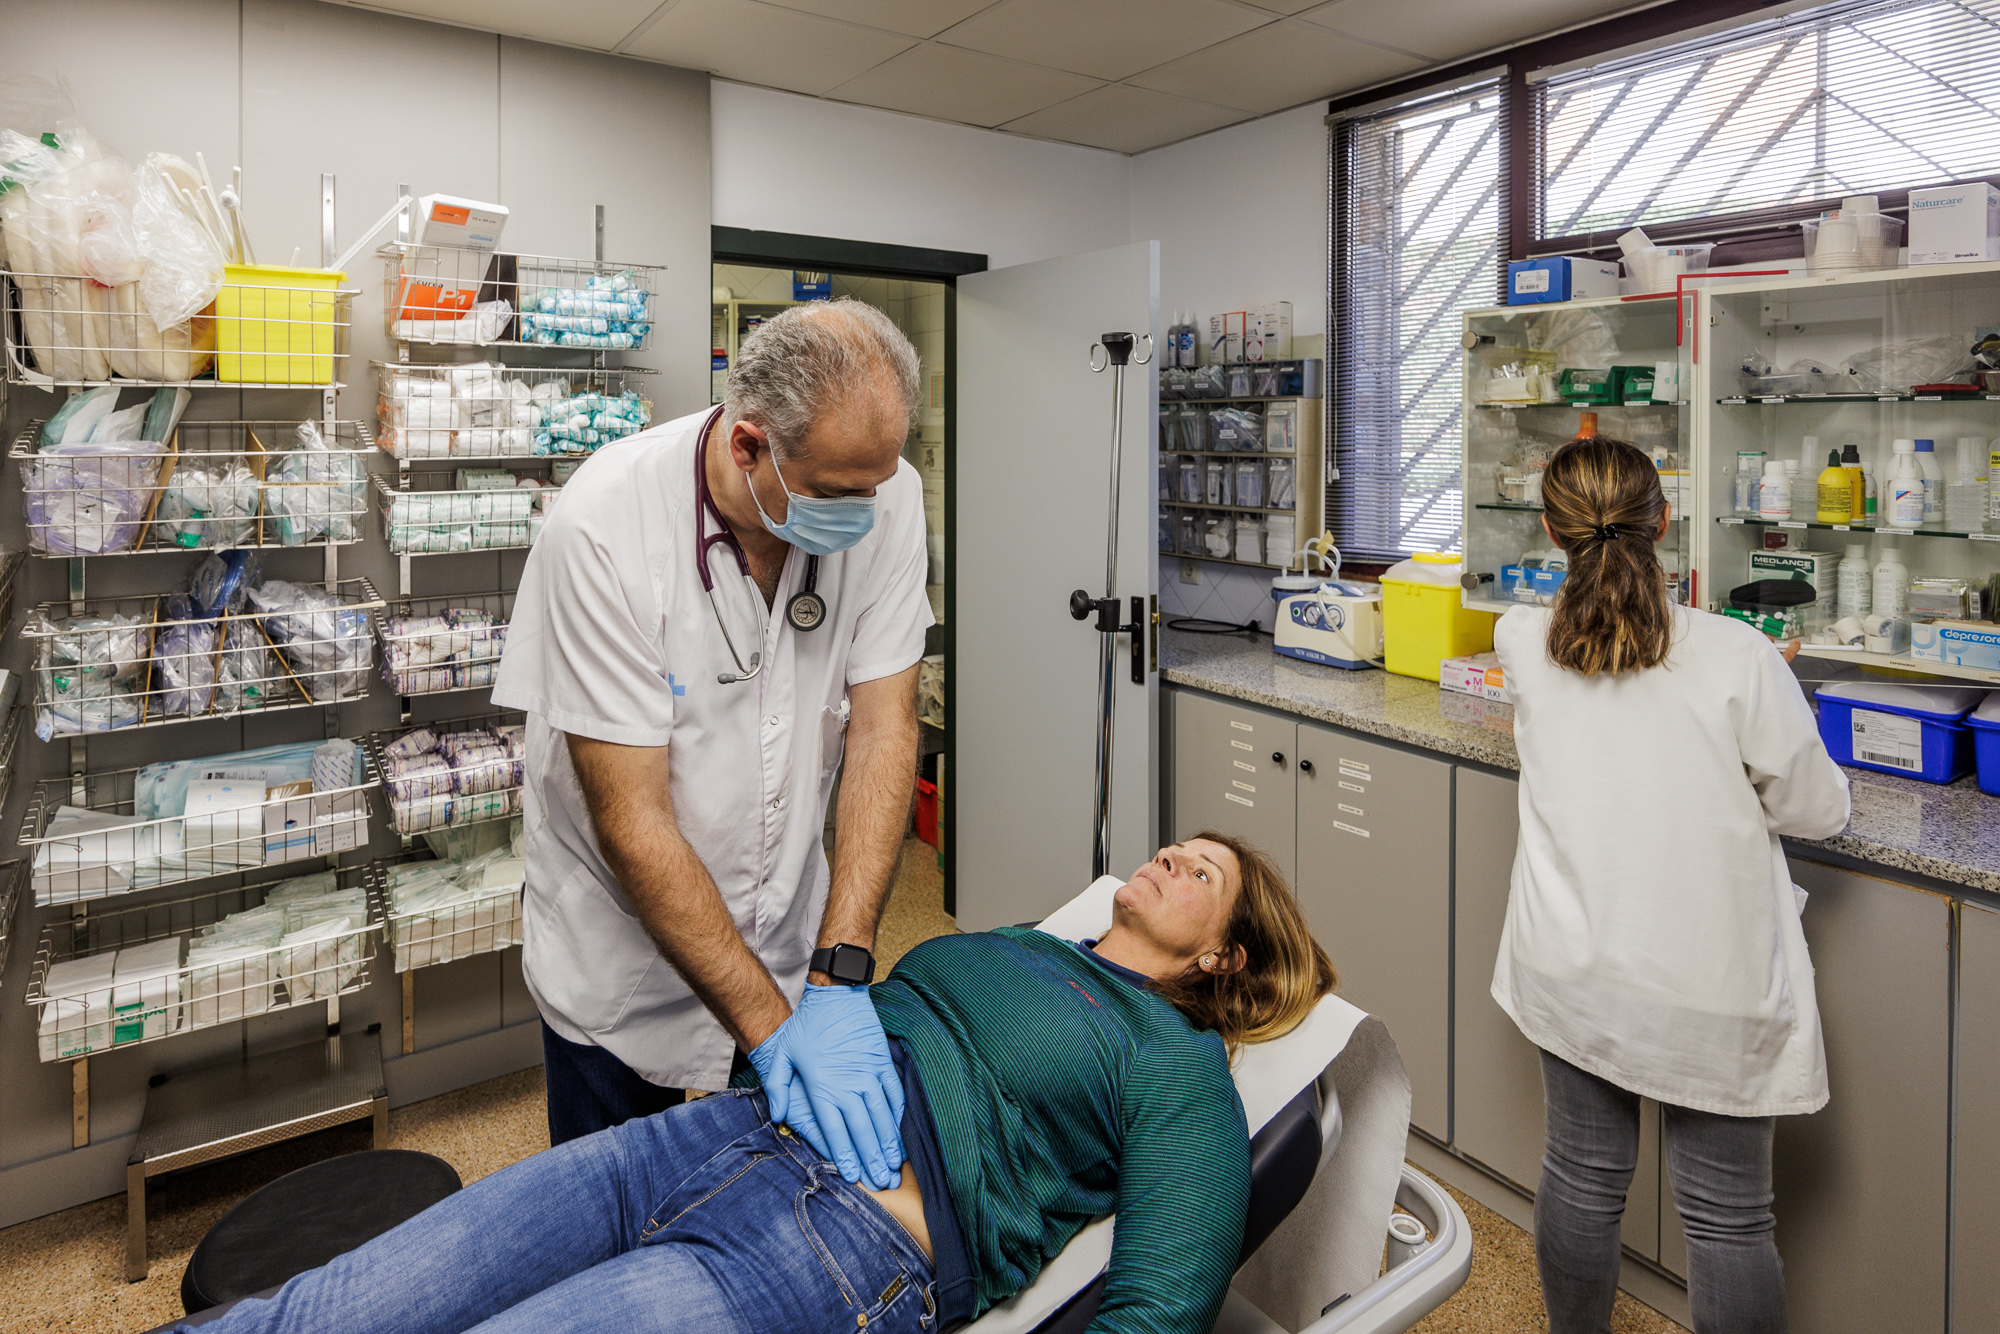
x,y
966,86
600,25
1105,39
1125,119
1277,66
763,44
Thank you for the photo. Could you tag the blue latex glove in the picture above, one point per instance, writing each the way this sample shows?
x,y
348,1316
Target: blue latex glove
x,y
828,1074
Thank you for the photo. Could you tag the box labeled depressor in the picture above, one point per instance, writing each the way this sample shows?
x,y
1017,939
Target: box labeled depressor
x,y
1955,224
1815,567
1559,278
1475,674
1962,643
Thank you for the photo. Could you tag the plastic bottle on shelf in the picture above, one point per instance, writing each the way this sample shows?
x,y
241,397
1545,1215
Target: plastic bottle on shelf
x,y
1805,479
1890,594
1993,490
1965,498
1870,503
1774,495
1749,476
1850,463
1833,492
1906,486
1586,426
1932,472
1853,581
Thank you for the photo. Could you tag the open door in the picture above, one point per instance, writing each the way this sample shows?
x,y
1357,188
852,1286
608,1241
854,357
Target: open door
x,y
1030,472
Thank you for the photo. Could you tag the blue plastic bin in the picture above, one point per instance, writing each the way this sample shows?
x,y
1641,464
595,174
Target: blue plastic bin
x,y
1859,722
1985,725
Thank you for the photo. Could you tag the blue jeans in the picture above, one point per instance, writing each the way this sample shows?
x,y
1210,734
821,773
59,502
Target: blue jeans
x,y
704,1217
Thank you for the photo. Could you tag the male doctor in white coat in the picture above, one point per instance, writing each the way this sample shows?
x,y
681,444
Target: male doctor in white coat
x,y
682,742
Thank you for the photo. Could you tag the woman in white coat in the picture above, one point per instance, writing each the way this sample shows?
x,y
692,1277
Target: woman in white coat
x,y
1652,944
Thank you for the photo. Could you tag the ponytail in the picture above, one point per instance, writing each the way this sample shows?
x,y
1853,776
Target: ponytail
x,y
1602,500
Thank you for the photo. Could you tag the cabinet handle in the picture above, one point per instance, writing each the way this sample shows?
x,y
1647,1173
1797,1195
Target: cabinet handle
x,y
1306,767
1277,757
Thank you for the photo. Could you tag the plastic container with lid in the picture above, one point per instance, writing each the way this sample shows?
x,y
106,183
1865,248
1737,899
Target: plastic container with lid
x,y
1916,731
1424,620
1985,724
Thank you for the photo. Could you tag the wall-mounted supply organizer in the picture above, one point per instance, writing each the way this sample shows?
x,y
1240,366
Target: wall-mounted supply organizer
x,y
442,645
443,910
1242,474
450,774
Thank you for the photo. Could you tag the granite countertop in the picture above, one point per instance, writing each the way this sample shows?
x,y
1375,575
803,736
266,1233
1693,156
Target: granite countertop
x,y
1950,833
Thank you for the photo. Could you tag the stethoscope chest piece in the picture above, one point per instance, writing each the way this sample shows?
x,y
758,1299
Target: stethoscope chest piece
x,y
806,610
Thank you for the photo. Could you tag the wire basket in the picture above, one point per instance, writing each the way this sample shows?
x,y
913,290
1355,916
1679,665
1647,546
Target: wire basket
x,y
471,518
482,298
143,974
267,329
10,575
13,879
486,412
120,663
215,485
446,775
92,836
452,912
434,645
10,746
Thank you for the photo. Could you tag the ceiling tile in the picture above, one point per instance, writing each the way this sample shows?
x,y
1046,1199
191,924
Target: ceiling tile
x,y
600,25
1125,119
1106,39
762,44
949,84
1277,66
918,18
1444,29
1282,6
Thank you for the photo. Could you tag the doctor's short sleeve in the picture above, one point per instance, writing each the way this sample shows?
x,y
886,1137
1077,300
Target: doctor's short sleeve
x,y
584,648
889,635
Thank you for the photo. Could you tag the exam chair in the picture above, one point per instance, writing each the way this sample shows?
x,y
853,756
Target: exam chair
x,y
1328,1109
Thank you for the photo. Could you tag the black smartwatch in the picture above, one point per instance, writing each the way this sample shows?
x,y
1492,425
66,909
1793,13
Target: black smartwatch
x,y
849,965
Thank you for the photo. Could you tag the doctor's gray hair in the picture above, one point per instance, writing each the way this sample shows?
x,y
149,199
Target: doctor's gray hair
x,y
813,357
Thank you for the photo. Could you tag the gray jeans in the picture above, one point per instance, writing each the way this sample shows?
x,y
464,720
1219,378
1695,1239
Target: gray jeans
x,y
1721,1172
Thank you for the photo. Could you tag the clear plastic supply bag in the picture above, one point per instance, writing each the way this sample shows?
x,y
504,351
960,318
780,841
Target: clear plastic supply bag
x,y
89,499
1892,368
314,492
184,659
1236,430
90,667
208,501
245,676
325,641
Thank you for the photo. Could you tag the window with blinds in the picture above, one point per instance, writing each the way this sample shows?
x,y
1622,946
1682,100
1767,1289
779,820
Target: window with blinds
x,y
1417,239
1852,98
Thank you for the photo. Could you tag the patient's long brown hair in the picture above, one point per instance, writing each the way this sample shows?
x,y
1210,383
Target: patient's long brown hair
x,y
1286,971
1603,504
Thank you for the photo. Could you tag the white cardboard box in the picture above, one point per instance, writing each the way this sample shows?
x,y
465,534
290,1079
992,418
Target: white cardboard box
x,y
1267,335
315,825
1475,674
1955,224
450,220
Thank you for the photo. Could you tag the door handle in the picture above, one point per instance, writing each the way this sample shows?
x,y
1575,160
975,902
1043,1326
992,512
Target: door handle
x,y
1306,767
1277,757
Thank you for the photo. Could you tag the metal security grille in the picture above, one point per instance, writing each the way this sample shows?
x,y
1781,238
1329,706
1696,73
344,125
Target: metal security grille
x,y
1843,99
1417,232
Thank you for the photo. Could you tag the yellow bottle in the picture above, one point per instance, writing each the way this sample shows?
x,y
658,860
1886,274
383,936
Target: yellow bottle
x,y
1835,499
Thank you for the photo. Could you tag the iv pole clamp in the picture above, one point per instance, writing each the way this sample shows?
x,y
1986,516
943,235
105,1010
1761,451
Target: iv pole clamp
x,y
1117,349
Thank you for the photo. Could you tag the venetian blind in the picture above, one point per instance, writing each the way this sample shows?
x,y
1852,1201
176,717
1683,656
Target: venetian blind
x,y
1417,239
1850,98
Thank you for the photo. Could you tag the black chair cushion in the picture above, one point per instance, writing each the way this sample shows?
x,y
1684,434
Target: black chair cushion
x,y
1284,1158
306,1218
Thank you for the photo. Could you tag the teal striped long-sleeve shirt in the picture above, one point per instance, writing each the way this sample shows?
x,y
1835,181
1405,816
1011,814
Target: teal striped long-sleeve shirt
x,y
1061,1093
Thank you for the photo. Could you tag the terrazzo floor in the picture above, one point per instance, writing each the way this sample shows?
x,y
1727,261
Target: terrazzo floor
x,y
65,1271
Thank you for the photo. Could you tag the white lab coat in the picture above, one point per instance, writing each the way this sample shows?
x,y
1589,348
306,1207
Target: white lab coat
x,y
613,638
1652,932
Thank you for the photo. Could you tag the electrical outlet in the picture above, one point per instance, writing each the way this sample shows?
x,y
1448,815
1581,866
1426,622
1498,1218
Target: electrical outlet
x,y
1190,572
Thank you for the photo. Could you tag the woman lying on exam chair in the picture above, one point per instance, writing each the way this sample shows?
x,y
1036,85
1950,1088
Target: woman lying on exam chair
x,y
1045,1084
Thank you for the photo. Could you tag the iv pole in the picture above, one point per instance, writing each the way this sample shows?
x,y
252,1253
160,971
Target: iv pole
x,y
1117,349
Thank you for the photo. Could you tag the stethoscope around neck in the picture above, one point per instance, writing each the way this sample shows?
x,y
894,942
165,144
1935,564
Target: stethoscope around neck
x,y
805,611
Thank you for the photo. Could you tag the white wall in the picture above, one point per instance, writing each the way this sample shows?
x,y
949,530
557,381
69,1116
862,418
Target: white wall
x,y
1241,216
786,163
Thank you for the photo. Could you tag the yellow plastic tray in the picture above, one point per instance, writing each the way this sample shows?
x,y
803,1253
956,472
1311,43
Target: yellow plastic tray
x,y
276,325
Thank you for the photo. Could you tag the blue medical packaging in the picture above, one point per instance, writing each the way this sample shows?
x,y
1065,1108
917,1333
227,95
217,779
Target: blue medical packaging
x,y
1916,731
1985,725
1559,278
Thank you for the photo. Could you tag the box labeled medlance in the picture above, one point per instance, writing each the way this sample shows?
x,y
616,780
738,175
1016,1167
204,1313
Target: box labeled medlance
x,y
1955,224
1815,567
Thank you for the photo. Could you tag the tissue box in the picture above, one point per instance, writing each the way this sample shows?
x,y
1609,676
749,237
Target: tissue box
x,y
1965,643
1815,567
1559,278
1476,674
1955,224
310,825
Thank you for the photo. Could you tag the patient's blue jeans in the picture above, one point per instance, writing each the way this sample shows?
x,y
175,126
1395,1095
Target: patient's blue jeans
x,y
703,1217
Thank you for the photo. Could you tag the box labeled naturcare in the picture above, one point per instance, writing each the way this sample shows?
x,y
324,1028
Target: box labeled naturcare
x,y
1815,567
1955,224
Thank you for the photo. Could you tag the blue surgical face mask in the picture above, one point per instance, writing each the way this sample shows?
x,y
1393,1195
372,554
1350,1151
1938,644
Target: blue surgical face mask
x,y
818,525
